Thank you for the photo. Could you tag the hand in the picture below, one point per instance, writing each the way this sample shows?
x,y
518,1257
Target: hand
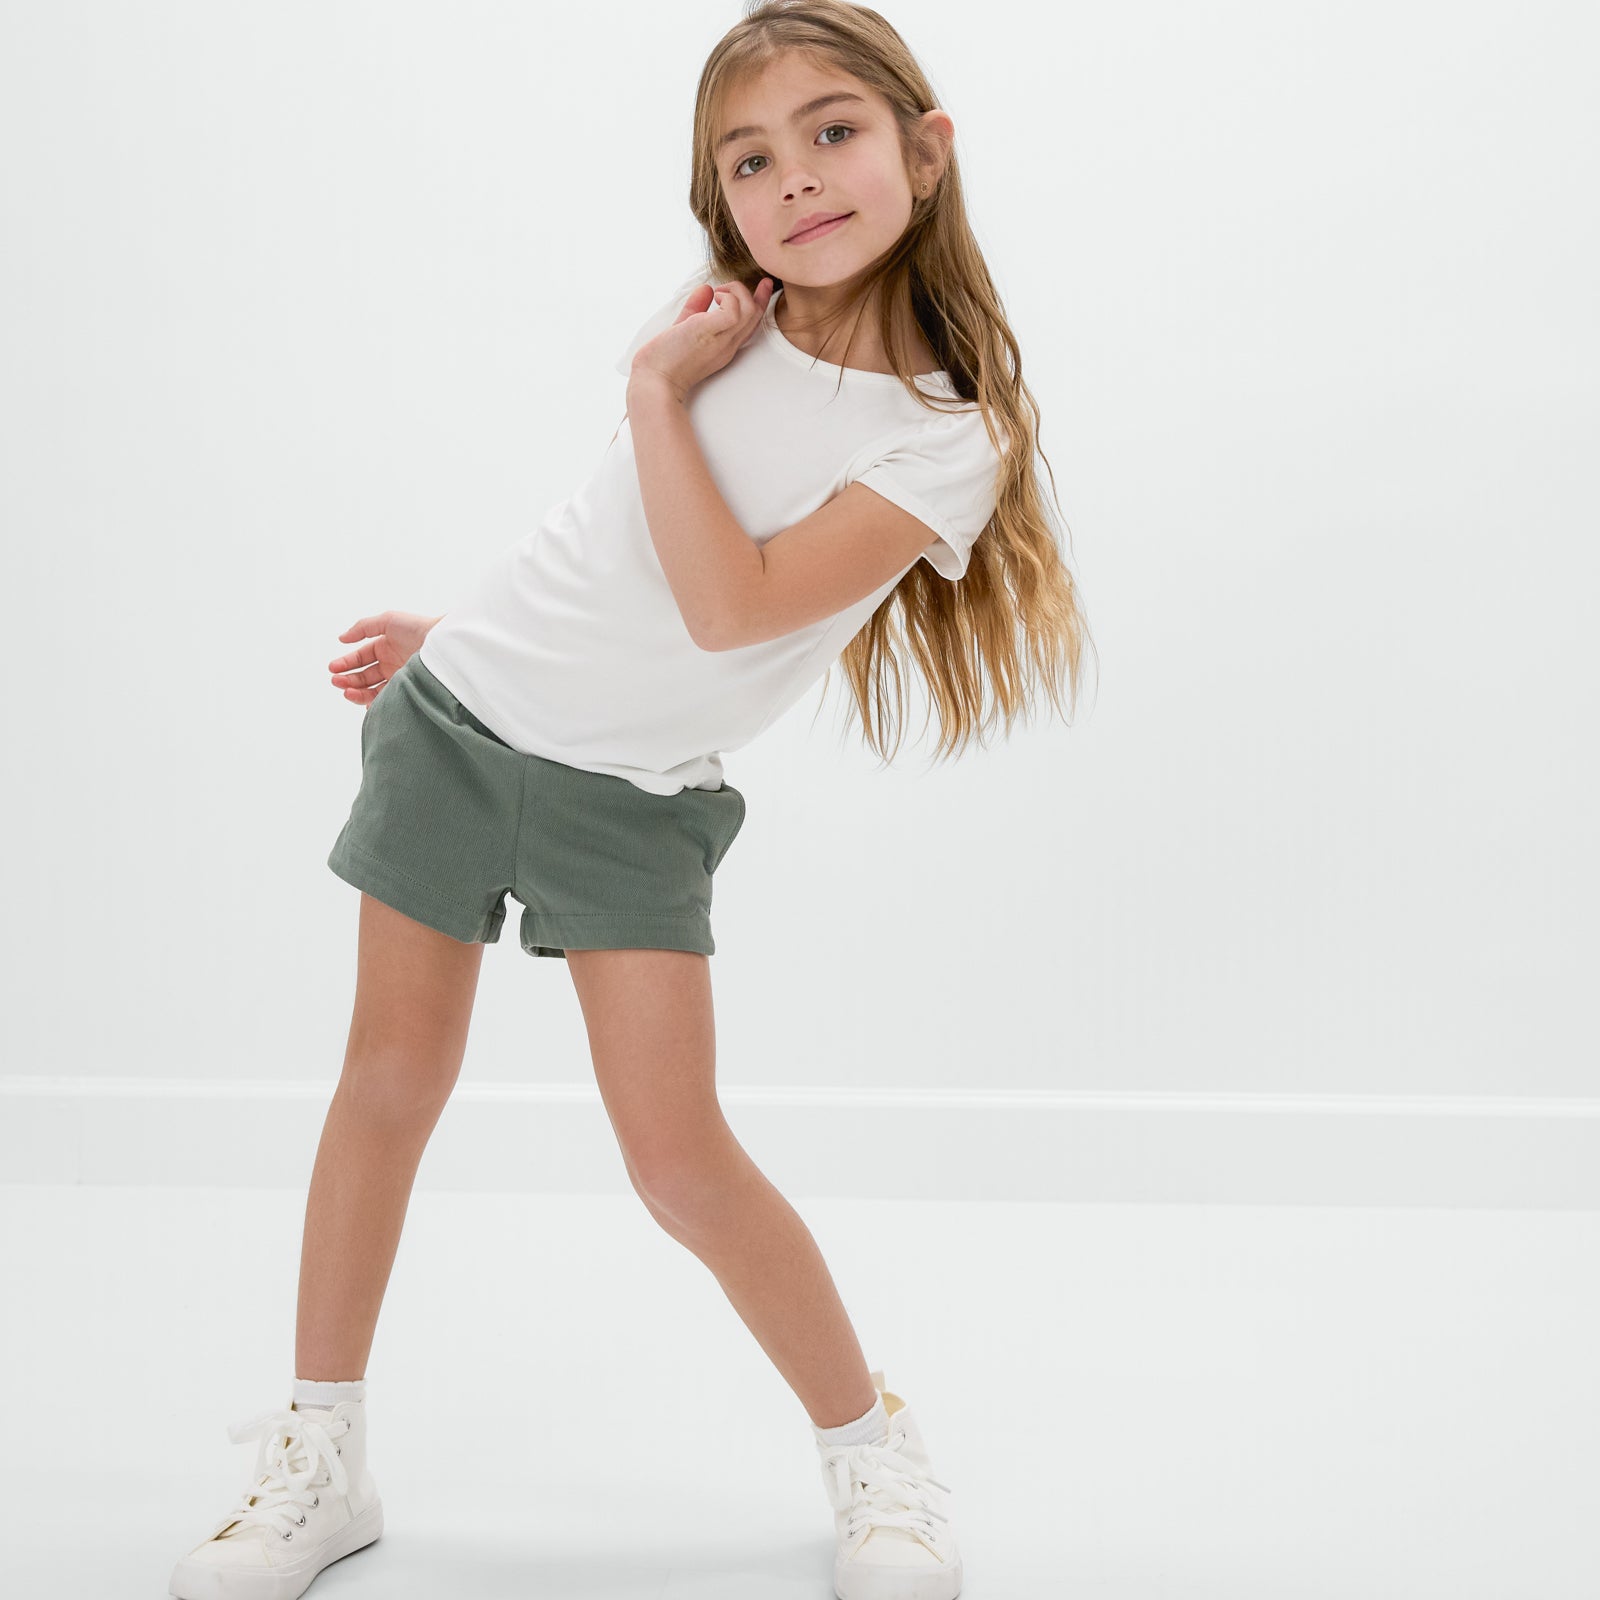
x,y
706,337
392,638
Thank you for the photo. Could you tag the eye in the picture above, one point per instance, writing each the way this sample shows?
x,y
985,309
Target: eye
x,y
832,144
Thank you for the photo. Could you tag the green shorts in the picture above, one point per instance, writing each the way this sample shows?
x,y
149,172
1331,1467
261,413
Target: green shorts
x,y
450,818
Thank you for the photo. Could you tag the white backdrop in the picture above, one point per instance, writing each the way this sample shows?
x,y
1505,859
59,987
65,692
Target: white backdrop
x,y
310,309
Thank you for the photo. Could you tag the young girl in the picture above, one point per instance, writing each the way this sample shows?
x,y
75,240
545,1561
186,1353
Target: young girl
x,y
827,437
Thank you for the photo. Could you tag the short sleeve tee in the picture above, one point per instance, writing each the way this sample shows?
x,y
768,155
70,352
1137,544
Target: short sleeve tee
x,y
570,645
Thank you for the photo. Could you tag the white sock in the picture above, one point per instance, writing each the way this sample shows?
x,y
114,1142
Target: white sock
x,y
311,1392
871,1427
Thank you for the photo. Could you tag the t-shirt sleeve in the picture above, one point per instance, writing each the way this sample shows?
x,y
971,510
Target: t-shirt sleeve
x,y
946,474
662,317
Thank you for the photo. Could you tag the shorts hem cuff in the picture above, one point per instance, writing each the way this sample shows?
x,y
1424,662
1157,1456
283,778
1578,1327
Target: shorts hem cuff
x,y
553,933
416,900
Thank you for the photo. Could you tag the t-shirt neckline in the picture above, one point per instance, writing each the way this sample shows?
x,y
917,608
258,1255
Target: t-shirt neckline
x,y
831,369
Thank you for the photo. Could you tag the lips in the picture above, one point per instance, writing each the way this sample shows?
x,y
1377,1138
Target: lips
x,y
816,220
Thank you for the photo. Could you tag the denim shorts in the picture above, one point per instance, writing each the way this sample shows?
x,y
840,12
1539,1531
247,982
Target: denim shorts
x,y
450,818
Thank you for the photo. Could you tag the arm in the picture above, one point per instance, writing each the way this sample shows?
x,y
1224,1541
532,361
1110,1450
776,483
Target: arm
x,y
731,591
848,548
710,562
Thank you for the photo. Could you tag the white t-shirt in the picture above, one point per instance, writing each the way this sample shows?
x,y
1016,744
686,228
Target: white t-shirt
x,y
571,645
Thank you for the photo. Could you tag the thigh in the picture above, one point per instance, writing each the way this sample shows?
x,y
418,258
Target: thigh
x,y
653,1039
415,989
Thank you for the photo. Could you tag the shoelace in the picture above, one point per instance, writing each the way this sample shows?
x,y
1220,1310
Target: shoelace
x,y
293,1450
882,1488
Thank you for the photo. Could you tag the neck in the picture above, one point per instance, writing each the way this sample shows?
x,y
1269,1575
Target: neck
x,y
807,319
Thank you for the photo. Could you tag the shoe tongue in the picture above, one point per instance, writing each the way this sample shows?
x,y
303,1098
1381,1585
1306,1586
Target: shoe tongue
x,y
891,1535
245,1530
254,1530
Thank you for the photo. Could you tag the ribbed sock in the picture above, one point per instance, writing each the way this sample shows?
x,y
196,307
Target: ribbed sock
x,y
871,1427
313,1392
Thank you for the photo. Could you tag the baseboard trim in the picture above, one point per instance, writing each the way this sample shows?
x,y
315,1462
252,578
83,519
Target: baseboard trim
x,y
1500,1152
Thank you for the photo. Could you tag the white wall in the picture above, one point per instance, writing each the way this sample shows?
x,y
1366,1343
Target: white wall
x,y
308,310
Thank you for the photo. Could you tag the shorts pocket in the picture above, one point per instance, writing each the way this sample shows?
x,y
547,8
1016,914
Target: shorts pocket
x,y
730,830
371,712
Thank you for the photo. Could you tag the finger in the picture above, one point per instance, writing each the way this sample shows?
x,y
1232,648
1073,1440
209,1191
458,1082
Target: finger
x,y
363,685
745,300
363,679
734,317
364,629
690,309
363,657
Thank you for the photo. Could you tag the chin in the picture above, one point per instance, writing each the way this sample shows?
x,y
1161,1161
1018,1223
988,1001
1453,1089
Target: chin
x,y
837,281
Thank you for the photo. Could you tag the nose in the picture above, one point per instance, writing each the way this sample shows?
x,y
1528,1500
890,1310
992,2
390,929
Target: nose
x,y
794,186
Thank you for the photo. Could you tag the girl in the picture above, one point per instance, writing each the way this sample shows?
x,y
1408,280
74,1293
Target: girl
x,y
827,438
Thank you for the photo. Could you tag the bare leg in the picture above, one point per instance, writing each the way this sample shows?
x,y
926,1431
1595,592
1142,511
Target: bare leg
x,y
408,1035
649,1019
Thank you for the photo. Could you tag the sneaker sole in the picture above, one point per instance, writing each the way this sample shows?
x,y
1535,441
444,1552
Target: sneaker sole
x,y
855,1582
198,1580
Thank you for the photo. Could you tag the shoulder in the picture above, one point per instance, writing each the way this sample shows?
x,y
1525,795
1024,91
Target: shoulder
x,y
665,314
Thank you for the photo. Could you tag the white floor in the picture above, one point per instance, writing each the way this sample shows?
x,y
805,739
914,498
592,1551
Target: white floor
x,y
1130,1403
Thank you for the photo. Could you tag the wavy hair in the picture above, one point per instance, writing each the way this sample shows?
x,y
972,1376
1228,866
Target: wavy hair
x,y
986,641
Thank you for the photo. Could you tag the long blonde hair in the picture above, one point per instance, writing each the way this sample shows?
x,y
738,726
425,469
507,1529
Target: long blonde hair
x,y
1017,598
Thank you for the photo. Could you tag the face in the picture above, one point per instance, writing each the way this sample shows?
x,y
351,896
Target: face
x,y
840,157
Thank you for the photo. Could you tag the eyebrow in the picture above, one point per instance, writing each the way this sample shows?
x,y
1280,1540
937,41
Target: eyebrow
x,y
797,115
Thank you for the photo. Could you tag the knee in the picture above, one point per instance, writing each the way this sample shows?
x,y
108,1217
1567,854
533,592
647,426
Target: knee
x,y
396,1090
685,1187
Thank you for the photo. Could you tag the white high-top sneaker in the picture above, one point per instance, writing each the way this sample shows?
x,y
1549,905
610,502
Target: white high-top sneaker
x,y
312,1502
891,1515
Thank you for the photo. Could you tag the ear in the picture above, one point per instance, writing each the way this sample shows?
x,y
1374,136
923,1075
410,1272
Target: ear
x,y
937,134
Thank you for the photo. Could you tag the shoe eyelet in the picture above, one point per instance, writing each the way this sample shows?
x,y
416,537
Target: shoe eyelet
x,y
302,1519
289,1534
316,1501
